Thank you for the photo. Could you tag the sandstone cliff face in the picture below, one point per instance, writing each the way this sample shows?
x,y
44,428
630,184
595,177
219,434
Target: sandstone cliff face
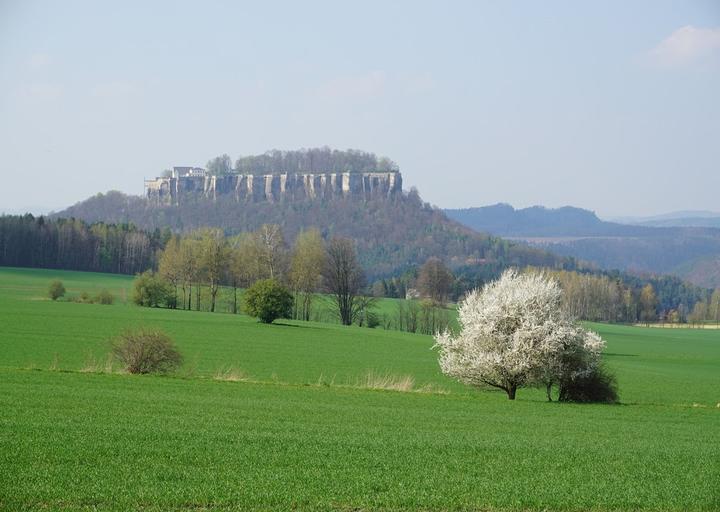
x,y
275,187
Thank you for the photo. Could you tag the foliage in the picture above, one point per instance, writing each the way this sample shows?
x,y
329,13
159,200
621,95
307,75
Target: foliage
x,y
214,255
219,166
306,267
598,385
268,300
151,290
104,297
146,350
513,333
56,290
435,280
319,160
27,241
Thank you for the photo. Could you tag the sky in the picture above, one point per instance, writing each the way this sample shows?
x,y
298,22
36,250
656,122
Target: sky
x,y
612,106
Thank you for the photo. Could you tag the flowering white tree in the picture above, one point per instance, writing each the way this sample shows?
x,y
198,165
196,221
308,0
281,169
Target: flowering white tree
x,y
514,333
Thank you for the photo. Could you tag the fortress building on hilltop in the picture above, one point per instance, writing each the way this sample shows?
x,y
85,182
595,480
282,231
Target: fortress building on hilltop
x,y
184,182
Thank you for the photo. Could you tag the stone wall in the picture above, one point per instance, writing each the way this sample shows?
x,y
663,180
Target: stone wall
x,y
275,187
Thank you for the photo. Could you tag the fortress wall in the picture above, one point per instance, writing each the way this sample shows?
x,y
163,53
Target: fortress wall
x,y
275,187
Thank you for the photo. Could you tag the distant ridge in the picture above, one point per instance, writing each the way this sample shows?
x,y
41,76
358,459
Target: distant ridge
x,y
691,251
537,221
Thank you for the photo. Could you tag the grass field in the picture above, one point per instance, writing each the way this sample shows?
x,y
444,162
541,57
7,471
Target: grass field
x,y
288,440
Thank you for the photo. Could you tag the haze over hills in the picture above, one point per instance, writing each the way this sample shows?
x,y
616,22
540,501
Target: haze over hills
x,y
691,218
692,253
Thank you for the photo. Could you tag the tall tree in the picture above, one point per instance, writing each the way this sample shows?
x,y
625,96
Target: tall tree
x,y
714,312
344,278
272,250
189,264
648,303
213,259
306,267
435,280
170,266
220,166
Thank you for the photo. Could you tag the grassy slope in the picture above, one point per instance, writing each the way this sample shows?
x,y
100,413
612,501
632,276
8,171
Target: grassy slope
x,y
70,440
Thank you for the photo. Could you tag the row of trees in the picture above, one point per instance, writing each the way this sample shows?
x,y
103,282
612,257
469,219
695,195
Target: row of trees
x,y
206,258
704,311
304,160
27,241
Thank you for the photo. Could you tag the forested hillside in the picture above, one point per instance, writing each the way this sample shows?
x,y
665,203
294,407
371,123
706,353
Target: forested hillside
x,y
391,234
692,253
26,241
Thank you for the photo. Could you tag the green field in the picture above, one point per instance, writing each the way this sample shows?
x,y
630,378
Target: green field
x,y
298,436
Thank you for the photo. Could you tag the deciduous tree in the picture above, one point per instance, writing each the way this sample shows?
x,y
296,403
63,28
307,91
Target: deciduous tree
x,y
435,280
513,333
306,268
343,278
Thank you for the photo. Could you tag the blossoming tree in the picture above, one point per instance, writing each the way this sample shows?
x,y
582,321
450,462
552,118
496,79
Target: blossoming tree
x,y
514,333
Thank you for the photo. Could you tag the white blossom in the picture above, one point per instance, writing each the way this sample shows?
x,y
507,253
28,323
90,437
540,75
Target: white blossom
x,y
514,333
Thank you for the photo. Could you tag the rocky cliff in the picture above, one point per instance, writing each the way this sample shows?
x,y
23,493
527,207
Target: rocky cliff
x,y
275,187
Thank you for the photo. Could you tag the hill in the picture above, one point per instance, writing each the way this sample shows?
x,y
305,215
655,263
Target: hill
x,y
392,234
300,430
537,221
691,253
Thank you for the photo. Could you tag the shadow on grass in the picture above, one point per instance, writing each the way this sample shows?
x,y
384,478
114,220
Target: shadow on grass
x,y
610,354
283,324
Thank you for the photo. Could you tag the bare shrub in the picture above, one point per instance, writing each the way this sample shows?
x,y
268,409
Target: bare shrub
x,y
94,365
230,374
146,350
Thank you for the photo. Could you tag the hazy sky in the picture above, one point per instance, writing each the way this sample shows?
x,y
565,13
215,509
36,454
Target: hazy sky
x,y
613,107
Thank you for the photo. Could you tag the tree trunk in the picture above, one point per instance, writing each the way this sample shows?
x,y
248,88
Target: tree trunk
x,y
548,390
213,294
511,392
234,298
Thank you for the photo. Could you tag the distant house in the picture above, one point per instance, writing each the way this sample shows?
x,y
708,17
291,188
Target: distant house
x,y
184,172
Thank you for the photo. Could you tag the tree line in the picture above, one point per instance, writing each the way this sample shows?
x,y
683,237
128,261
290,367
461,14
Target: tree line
x,y
206,258
265,252
70,244
312,160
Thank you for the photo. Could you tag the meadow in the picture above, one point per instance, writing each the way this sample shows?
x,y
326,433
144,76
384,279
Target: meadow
x,y
301,432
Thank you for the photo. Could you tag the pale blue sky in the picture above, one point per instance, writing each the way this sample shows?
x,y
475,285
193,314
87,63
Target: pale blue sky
x,y
611,106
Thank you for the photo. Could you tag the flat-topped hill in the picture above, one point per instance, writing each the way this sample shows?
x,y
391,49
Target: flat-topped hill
x,y
275,186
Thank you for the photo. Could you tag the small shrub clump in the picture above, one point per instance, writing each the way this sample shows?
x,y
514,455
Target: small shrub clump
x,y
56,290
268,300
146,350
104,297
151,290
599,386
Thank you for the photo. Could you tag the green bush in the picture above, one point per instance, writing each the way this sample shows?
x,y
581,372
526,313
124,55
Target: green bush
x,y
56,290
268,300
597,386
104,297
146,350
151,290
